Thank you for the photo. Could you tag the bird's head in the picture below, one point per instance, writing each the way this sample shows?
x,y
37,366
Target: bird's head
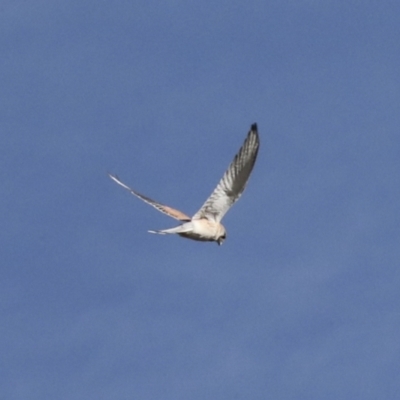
x,y
222,236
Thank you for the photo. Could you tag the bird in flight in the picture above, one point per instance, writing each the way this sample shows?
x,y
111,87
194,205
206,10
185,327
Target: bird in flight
x,y
206,225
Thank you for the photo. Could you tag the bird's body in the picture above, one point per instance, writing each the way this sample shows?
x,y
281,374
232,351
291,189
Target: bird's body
x,y
205,225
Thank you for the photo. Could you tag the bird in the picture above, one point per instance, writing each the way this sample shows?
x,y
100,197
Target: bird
x,y
205,225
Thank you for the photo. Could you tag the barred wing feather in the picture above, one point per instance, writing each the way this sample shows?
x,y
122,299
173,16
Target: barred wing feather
x,y
233,183
171,212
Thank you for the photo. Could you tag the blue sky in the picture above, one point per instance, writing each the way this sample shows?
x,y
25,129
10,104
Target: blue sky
x,y
301,302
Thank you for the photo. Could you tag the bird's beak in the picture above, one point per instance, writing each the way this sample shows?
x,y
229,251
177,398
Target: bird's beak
x,y
220,241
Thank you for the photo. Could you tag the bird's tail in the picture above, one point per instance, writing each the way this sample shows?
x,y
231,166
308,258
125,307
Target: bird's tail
x,y
179,229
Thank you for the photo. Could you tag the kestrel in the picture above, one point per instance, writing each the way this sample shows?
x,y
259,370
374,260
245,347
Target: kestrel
x,y
206,225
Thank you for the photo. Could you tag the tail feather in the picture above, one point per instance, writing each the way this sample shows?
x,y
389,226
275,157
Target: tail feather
x,y
178,229
159,232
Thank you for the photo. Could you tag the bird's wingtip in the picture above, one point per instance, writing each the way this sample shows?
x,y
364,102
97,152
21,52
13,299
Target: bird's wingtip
x,y
113,176
254,127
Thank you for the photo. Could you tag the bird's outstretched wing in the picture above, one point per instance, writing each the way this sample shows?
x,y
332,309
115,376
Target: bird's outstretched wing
x,y
232,184
160,207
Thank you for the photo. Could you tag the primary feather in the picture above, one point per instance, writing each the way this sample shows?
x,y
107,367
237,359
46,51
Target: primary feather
x,y
234,181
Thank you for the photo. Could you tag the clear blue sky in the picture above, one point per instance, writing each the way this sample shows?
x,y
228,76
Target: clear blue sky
x,y
303,299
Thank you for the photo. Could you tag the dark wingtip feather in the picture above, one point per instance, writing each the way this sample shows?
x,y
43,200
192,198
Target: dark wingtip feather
x,y
253,134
